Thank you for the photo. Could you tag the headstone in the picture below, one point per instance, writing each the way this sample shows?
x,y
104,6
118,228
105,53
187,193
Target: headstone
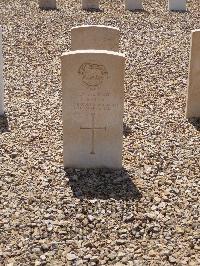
x,y
133,5
95,37
193,93
177,5
1,77
47,4
93,98
90,4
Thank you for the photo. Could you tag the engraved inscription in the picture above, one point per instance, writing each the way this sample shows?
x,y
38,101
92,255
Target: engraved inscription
x,y
93,102
93,128
92,74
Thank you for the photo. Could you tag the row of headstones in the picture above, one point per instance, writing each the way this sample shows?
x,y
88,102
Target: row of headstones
x,y
93,95
174,5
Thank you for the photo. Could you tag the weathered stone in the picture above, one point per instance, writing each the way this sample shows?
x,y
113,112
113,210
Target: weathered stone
x,y
177,5
47,4
90,4
95,37
133,4
93,95
193,93
1,77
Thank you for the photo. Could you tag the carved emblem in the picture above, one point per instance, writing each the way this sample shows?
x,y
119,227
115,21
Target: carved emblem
x,y
92,74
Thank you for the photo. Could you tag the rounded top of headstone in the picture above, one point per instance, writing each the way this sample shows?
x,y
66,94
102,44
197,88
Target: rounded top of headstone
x,y
95,26
91,51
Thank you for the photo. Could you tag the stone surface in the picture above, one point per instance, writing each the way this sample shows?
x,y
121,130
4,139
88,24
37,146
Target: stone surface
x,y
177,5
93,95
90,4
95,37
47,4
1,76
133,4
193,93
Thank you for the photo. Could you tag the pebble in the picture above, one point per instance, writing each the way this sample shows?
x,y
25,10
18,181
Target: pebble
x,y
172,259
71,256
91,218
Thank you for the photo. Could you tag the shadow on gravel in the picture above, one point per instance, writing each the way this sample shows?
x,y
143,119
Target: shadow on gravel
x,y
102,184
94,10
126,130
4,127
180,11
195,122
49,9
139,11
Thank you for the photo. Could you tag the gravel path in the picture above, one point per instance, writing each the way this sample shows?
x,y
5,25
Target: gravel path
x,y
145,214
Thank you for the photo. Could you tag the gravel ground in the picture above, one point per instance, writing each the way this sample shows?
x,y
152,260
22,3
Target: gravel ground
x,y
145,214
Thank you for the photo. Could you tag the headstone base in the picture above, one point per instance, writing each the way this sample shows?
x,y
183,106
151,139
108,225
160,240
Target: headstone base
x,y
133,5
47,4
90,4
177,5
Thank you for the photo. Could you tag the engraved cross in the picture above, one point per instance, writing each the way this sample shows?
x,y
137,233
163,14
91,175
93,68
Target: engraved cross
x,y
93,128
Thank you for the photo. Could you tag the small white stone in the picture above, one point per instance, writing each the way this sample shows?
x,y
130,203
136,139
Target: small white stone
x,y
71,256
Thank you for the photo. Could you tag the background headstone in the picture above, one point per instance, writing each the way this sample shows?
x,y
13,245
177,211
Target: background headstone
x,y
1,76
177,5
193,94
90,4
133,4
93,99
47,4
95,37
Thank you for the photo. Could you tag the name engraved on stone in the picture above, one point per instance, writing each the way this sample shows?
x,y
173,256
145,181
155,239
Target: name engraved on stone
x,y
93,128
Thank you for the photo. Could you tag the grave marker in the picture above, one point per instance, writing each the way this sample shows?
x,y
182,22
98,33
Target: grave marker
x,y
47,4
133,5
193,93
93,98
1,76
177,5
95,37
90,4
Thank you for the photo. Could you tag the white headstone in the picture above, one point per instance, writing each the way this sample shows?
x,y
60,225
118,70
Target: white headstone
x,y
193,93
133,5
90,4
95,37
177,5
47,4
1,76
93,99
